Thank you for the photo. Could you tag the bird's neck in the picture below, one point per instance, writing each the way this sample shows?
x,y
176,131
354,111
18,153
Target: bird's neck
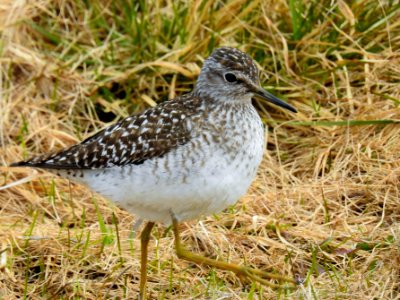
x,y
217,97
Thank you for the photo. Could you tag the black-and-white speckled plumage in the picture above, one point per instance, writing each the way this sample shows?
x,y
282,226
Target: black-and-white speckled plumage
x,y
132,140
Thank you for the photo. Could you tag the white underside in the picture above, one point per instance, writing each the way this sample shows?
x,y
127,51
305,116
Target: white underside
x,y
202,194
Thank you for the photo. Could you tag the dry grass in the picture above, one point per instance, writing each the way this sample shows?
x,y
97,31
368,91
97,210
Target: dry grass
x,y
325,206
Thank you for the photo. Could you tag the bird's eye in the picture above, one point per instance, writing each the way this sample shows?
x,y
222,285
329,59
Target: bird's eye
x,y
230,77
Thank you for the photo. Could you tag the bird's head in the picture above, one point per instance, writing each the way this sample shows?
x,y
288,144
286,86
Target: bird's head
x,y
229,74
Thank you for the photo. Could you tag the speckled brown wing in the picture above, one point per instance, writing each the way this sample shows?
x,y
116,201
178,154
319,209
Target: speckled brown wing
x,y
133,140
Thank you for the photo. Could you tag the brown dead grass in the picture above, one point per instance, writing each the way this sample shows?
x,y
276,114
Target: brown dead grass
x,y
325,207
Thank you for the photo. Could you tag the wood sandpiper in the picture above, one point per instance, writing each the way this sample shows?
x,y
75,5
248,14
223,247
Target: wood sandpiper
x,y
191,156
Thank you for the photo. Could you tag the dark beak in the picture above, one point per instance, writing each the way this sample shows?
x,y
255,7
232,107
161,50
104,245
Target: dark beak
x,y
259,92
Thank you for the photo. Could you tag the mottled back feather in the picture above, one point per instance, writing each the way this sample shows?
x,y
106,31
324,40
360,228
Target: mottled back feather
x,y
150,134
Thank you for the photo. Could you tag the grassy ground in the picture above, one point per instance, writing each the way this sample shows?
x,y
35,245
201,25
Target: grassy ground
x,y
325,207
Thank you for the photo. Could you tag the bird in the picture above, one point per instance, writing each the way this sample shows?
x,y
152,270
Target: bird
x,y
188,157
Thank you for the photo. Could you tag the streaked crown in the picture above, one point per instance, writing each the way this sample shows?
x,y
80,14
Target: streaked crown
x,y
235,60
227,74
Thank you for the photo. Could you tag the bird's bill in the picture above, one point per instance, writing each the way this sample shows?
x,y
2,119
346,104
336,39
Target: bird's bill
x,y
259,92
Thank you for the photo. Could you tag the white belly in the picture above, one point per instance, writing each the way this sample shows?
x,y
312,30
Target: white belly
x,y
203,191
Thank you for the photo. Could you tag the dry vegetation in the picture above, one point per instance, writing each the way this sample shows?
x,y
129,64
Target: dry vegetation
x,y
325,207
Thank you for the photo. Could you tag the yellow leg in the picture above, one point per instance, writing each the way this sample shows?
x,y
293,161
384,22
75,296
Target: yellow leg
x,y
241,271
144,242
